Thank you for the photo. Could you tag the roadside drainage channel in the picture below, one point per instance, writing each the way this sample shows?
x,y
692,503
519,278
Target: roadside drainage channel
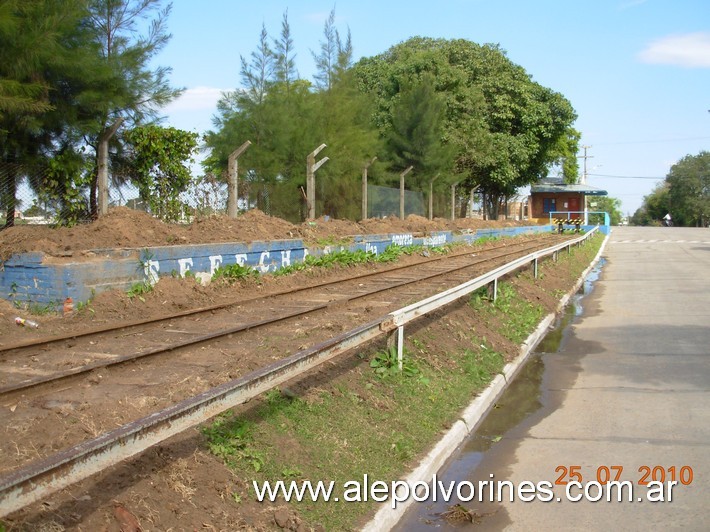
x,y
509,402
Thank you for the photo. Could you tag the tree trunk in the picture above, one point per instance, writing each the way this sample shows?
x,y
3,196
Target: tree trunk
x,y
9,198
102,165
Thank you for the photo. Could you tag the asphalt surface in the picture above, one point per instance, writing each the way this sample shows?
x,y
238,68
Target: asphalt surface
x,y
628,392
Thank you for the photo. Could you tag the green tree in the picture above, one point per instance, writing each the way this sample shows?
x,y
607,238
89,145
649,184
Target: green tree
x,y
288,123
159,160
38,39
612,206
654,206
127,88
689,190
507,130
416,134
257,73
284,55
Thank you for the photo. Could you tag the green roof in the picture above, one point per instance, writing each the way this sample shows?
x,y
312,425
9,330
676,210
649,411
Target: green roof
x,y
565,188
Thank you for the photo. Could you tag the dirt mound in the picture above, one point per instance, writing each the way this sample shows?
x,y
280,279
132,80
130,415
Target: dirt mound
x,y
127,228
248,227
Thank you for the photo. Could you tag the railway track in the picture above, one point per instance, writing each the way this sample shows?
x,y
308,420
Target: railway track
x,y
30,365
58,392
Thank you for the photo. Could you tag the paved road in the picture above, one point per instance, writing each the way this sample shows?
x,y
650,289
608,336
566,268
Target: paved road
x,y
630,387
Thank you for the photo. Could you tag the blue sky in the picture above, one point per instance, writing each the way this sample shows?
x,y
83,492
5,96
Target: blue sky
x,y
636,71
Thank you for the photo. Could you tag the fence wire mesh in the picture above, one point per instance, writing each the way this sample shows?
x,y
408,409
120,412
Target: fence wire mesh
x,y
32,193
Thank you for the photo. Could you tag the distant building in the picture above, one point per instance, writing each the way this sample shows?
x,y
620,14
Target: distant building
x,y
553,195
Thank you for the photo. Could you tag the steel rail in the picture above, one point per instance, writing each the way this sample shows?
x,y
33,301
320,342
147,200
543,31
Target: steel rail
x,y
44,477
122,359
220,306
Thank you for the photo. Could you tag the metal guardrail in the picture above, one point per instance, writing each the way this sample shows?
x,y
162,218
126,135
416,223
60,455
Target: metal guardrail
x,y
397,319
44,477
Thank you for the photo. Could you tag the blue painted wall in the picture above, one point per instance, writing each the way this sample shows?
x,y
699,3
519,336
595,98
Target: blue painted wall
x,y
37,278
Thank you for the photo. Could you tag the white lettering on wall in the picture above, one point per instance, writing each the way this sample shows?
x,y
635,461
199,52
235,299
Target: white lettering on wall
x,y
241,258
285,257
152,268
403,240
215,262
185,266
438,240
264,267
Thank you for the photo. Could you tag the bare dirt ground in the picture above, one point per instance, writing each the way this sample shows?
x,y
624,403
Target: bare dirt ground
x,y
126,228
178,485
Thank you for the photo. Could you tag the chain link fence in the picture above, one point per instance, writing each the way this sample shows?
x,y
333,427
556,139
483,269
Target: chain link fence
x,y
28,191
36,198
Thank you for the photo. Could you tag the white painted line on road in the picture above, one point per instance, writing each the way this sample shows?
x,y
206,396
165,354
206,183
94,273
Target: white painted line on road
x,y
659,242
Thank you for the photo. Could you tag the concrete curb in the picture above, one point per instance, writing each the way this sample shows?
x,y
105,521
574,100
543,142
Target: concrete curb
x,y
387,517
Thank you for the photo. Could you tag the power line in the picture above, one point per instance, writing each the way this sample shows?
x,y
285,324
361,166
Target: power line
x,y
625,176
649,141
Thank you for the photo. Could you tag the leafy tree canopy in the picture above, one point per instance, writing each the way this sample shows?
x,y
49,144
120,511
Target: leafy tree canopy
x,y
684,194
158,163
506,129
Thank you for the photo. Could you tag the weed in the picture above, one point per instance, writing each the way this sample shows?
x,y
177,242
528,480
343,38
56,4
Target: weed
x,y
235,272
41,309
84,306
291,472
230,440
332,241
386,364
138,290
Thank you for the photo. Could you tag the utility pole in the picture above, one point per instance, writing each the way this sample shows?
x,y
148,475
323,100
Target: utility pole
x,y
584,180
585,157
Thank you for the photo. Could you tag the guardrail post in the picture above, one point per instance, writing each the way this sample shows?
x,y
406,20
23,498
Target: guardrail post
x,y
535,267
400,346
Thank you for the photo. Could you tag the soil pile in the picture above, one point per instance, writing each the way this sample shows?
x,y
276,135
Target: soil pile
x,y
127,228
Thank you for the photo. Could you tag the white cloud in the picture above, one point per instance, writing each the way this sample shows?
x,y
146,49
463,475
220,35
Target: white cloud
x,y
196,99
689,50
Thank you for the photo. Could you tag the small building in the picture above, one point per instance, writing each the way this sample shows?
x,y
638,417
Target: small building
x,y
553,195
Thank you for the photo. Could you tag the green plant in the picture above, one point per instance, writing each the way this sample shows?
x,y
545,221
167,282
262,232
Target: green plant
x,y
291,472
230,440
41,309
234,272
332,241
83,306
139,290
386,364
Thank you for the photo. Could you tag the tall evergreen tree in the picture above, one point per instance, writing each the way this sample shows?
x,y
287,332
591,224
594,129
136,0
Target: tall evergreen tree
x,y
257,74
335,57
135,92
416,134
284,56
37,39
